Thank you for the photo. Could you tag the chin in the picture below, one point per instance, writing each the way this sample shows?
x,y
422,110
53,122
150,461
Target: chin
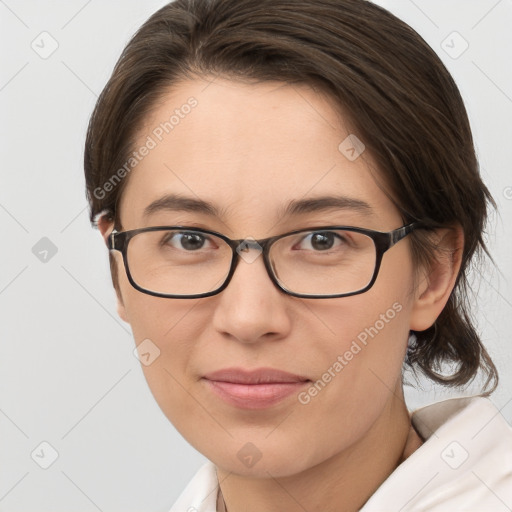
x,y
263,458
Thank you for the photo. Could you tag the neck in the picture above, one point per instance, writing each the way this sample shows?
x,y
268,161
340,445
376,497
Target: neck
x,y
343,483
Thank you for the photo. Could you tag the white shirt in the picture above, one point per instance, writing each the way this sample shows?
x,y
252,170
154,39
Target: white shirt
x,y
464,464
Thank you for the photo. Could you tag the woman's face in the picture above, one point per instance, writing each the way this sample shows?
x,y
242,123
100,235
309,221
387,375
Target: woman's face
x,y
250,151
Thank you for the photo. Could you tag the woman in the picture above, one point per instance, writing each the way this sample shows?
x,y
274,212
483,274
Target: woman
x,y
291,199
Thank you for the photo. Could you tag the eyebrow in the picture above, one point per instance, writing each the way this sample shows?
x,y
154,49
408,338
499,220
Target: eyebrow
x,y
324,203
175,202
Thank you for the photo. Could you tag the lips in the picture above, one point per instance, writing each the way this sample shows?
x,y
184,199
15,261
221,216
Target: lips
x,y
257,376
254,389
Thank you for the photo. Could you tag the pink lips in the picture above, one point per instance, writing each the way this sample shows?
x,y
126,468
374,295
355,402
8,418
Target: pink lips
x,y
254,389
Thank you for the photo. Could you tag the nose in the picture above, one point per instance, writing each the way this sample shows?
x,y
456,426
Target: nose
x,y
251,308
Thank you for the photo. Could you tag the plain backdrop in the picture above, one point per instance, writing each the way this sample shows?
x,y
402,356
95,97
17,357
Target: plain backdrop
x,y
72,394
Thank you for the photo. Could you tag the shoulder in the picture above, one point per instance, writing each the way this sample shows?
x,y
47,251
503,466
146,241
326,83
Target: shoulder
x,y
465,462
200,495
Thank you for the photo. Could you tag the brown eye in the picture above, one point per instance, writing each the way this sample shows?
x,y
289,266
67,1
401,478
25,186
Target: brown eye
x,y
321,241
185,240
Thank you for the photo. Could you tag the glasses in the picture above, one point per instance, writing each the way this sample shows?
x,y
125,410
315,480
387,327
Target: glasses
x,y
323,262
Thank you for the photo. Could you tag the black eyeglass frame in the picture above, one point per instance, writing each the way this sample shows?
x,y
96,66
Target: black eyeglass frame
x,y
383,241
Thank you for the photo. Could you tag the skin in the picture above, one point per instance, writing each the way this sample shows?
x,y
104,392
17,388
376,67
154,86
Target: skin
x,y
250,149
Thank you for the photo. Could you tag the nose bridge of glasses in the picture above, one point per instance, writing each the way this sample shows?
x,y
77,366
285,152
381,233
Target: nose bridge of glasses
x,y
249,248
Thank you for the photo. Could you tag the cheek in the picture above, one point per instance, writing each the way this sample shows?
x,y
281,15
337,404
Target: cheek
x,y
169,377
369,339
356,374
359,364
168,323
151,317
164,329
372,328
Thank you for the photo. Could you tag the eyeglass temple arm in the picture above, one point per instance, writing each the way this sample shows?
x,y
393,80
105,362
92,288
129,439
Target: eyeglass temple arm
x,y
402,232
111,241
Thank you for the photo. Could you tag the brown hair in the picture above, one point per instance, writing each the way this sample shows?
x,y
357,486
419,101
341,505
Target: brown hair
x,y
396,92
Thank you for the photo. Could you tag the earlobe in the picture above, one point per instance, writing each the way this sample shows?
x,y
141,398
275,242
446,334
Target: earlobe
x,y
437,282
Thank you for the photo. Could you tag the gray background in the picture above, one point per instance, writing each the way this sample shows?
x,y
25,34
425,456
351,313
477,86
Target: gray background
x,y
68,376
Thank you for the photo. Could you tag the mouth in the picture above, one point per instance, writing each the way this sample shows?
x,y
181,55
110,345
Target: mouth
x,y
254,389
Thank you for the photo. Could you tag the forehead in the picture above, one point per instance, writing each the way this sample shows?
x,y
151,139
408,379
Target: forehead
x,y
249,149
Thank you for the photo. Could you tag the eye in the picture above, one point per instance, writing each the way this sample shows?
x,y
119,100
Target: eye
x,y
187,240
322,241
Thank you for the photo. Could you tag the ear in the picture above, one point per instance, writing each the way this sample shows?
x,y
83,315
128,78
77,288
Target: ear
x,y
436,283
106,227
